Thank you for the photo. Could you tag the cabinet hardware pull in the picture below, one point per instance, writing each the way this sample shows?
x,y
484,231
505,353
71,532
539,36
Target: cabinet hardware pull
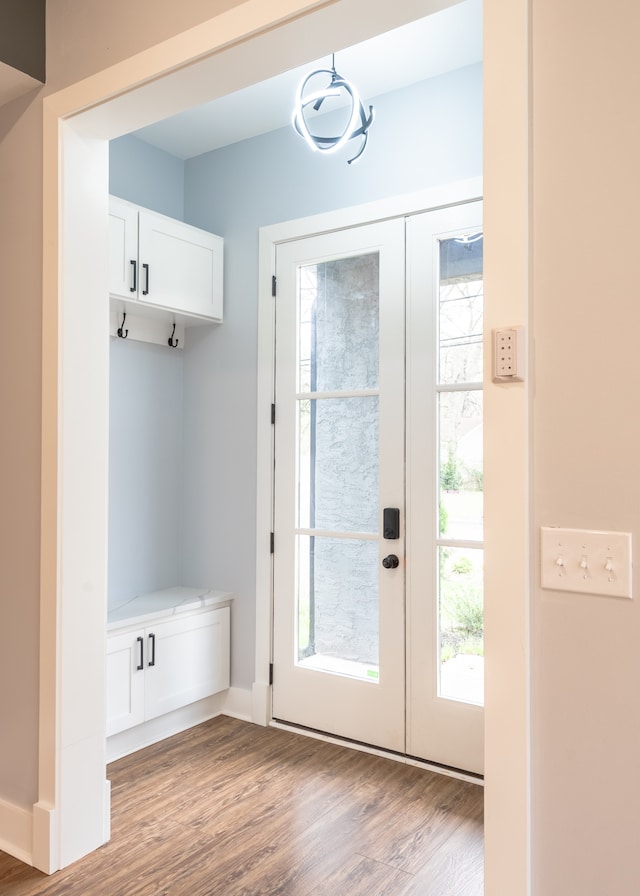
x,y
152,659
145,292
140,665
135,275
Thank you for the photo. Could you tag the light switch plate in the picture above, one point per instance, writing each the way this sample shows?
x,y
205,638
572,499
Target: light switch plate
x,y
586,561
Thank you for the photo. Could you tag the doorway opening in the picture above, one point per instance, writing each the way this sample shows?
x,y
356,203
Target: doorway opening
x,y
366,374
72,752
232,190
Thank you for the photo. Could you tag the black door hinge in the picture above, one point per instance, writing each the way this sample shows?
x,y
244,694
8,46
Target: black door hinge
x,y
273,413
273,285
270,673
272,542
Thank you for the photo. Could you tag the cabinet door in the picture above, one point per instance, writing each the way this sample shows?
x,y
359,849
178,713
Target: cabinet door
x,y
180,266
190,659
125,681
123,249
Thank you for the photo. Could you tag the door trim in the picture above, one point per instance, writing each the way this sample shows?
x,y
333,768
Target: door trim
x,y
398,206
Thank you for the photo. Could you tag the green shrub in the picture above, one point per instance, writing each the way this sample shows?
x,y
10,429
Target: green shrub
x,y
462,566
444,518
461,608
450,476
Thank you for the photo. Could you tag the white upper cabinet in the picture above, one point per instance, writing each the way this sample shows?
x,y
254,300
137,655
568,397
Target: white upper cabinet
x,y
123,249
160,263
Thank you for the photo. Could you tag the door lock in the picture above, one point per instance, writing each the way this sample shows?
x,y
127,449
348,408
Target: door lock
x,y
391,562
391,522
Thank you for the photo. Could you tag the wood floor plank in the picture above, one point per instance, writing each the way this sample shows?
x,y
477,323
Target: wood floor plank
x,y
361,876
234,809
458,866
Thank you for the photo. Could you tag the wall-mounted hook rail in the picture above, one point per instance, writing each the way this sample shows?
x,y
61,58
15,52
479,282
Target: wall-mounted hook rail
x,y
122,333
171,341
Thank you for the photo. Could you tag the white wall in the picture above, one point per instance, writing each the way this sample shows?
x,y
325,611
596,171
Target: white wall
x,y
145,409
82,38
586,431
145,468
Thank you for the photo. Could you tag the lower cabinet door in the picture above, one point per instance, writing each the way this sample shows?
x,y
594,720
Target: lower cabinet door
x,y
125,681
186,659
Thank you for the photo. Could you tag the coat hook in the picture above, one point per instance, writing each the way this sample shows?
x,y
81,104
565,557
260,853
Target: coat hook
x,y
170,340
122,333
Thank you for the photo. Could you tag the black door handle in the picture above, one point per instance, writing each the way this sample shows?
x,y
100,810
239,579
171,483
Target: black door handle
x,y
145,292
135,275
391,562
152,658
140,665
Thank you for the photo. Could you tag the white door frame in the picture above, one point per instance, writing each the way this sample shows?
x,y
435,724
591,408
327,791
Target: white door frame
x,y
270,236
71,815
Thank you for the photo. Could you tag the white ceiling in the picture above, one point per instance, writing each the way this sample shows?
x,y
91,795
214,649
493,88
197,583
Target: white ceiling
x,y
446,40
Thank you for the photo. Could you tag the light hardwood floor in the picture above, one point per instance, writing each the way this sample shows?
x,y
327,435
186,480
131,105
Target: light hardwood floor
x,y
230,808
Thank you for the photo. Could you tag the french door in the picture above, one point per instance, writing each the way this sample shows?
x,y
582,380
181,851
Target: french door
x,y
378,485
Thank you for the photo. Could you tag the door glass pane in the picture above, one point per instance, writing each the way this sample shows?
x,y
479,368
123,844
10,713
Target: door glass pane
x,y
461,624
337,605
460,310
338,316
338,464
460,468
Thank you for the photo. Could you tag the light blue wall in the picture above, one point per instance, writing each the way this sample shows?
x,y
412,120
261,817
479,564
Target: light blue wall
x,y
146,410
197,525
145,468
147,176
426,135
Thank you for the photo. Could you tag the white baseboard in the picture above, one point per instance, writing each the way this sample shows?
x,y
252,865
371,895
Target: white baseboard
x,y
30,836
234,702
45,838
106,832
16,832
238,704
261,703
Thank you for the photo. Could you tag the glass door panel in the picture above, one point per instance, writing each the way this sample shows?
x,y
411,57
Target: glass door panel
x,y
338,459
459,329
339,619
338,605
461,624
337,462
445,667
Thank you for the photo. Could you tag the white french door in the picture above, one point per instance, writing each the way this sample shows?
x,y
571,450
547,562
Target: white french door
x,y
339,449
377,552
445,662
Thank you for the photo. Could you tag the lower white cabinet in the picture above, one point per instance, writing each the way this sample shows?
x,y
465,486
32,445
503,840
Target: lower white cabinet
x,y
173,661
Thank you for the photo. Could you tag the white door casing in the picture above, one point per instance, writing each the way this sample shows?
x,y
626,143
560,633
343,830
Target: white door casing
x,y
121,101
